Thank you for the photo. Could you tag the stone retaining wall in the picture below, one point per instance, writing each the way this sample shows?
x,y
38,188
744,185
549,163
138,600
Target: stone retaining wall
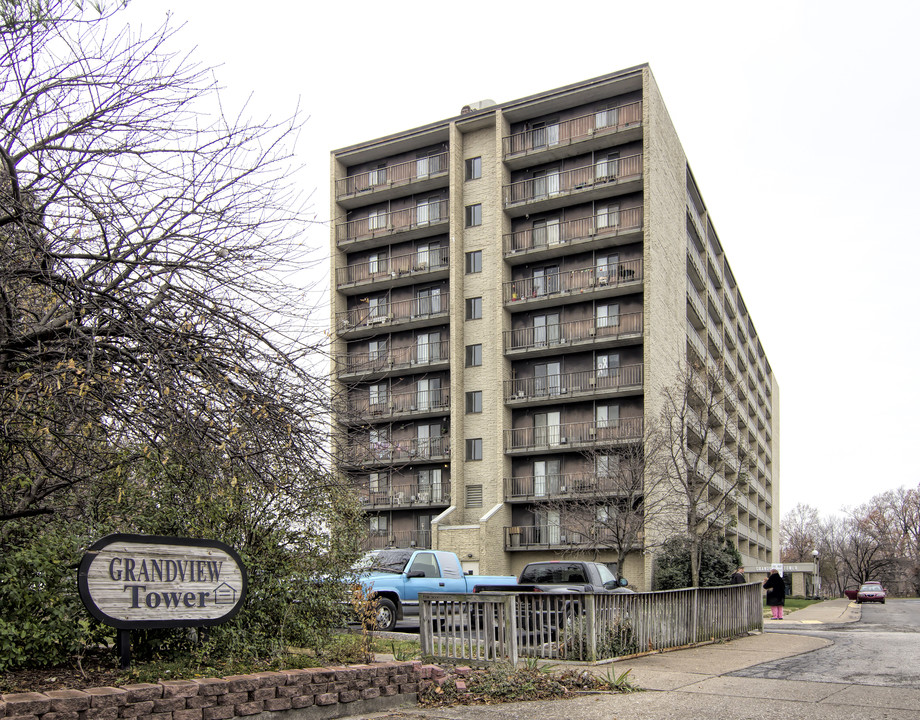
x,y
307,693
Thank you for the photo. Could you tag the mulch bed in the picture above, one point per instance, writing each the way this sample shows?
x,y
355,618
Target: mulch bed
x,y
98,670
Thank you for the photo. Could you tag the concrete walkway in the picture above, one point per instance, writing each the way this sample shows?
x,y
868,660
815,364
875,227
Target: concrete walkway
x,y
697,683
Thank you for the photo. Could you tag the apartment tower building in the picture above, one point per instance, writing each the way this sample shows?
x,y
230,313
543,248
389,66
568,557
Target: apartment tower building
x,y
512,288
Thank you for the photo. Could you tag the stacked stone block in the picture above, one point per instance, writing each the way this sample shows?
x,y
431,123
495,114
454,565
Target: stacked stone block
x,y
236,696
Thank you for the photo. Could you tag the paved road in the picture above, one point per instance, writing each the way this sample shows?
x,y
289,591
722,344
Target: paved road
x,y
883,649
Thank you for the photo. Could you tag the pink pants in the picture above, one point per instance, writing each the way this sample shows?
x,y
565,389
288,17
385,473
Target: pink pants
x,y
777,612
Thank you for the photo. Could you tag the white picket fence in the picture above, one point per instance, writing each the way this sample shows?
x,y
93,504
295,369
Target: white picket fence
x,y
487,627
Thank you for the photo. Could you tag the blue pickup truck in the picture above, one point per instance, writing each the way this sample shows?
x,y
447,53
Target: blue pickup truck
x,y
396,577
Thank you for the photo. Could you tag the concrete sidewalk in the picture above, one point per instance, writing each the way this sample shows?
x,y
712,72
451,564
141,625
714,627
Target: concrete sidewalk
x,y
697,683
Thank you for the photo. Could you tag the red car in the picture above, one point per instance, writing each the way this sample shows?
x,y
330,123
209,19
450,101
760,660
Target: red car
x,y
871,592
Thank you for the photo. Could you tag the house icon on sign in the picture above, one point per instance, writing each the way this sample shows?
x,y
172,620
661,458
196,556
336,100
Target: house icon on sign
x,y
224,595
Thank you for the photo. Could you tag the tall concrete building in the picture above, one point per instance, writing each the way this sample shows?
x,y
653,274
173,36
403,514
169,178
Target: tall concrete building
x,y
512,288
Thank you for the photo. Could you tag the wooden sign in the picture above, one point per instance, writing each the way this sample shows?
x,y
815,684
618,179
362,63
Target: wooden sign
x,y
149,581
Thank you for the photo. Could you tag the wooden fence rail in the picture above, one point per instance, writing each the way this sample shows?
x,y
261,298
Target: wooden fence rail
x,y
487,627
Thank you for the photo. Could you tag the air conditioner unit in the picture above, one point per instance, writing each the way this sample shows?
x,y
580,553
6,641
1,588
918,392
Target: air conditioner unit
x,y
520,393
592,332
563,440
562,489
592,381
592,432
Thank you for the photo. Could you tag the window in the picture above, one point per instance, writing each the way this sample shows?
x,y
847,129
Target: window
x,y
474,168
429,485
474,496
547,477
545,232
546,428
474,262
607,416
377,396
376,349
428,394
473,215
377,219
428,439
428,348
377,263
605,268
546,329
428,301
376,309
608,316
607,365
606,118
474,449
378,176
427,211
606,466
608,216
547,377
378,523
607,168
473,355
426,564
474,308
546,280
474,402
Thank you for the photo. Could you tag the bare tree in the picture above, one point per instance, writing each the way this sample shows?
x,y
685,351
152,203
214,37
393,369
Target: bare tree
x,y
704,472
799,533
148,251
610,507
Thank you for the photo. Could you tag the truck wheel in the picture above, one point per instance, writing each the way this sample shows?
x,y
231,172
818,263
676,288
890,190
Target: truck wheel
x,y
386,614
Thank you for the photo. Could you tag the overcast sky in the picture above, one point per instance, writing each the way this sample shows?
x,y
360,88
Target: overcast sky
x,y
799,119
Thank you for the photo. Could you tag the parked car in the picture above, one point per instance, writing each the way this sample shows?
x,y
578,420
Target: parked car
x,y
396,577
871,592
564,576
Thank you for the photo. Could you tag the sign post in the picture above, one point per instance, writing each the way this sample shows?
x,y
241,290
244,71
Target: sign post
x,y
148,581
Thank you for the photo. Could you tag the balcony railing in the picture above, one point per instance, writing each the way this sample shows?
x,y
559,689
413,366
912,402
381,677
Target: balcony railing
x,y
389,313
405,495
547,236
404,357
566,182
570,282
567,384
544,536
567,485
385,268
695,342
398,451
400,403
390,223
382,539
575,434
588,329
575,130
392,176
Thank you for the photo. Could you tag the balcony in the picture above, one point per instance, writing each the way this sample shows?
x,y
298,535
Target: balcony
x,y
698,317
551,339
382,539
555,189
402,314
397,452
695,215
565,486
538,537
574,136
421,266
564,387
696,344
557,239
404,496
572,436
369,365
384,407
543,291
404,224
414,176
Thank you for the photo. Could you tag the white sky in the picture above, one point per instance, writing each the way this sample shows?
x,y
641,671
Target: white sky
x,y
775,104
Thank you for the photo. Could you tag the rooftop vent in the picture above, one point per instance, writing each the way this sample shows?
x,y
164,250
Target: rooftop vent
x,y
478,105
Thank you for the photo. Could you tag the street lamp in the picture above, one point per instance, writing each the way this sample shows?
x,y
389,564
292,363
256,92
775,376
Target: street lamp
x,y
817,575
